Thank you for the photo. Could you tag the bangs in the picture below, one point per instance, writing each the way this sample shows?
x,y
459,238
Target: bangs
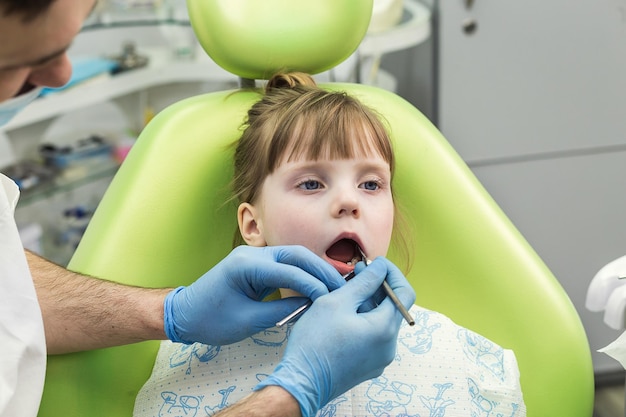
x,y
304,123
345,130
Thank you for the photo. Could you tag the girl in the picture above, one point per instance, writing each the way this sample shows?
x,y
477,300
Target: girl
x,y
315,168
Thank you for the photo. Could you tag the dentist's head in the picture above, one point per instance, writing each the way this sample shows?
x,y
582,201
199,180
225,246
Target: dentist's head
x,y
34,39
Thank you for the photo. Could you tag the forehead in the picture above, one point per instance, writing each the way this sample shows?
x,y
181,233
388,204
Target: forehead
x,y
53,30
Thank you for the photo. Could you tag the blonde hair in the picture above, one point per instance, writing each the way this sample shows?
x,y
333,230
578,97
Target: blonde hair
x,y
295,119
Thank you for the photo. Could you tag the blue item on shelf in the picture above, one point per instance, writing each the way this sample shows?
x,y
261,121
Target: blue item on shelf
x,y
84,69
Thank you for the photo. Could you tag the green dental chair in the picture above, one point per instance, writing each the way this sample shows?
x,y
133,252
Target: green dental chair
x,y
164,221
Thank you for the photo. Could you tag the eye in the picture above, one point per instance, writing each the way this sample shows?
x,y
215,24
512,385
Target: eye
x,y
370,185
310,185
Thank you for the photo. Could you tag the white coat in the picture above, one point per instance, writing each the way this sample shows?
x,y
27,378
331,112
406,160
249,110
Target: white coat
x,y
22,338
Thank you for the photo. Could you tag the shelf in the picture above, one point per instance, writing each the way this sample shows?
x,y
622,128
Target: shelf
x,y
158,72
116,24
61,185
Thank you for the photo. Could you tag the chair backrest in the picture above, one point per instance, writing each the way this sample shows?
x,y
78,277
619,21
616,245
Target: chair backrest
x,y
164,222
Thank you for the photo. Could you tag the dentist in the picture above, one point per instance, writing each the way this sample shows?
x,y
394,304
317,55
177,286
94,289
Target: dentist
x,y
46,309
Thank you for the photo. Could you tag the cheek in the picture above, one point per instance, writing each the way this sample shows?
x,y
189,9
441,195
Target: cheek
x,y
381,224
286,224
12,82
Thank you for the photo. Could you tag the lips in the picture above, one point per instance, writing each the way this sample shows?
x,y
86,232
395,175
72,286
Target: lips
x,y
25,89
343,255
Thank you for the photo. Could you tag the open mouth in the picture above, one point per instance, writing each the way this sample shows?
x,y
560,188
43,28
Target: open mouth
x,y
344,255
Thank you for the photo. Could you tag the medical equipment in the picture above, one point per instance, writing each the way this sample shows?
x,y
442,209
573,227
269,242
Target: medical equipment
x,y
304,307
386,287
405,313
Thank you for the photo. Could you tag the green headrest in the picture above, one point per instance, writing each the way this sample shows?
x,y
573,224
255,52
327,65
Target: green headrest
x,y
256,38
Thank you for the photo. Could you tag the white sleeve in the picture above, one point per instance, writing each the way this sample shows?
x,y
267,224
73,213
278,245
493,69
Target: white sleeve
x,y
22,339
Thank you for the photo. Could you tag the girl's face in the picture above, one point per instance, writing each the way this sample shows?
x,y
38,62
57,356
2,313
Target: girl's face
x,y
328,206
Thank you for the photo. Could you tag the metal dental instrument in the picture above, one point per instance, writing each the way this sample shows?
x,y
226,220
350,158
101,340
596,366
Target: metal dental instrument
x,y
304,307
295,314
389,291
386,287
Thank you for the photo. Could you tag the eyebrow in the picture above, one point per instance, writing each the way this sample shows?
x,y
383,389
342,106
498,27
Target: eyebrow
x,y
39,61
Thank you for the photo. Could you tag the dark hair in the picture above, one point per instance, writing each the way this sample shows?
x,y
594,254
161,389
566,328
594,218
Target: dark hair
x,y
28,9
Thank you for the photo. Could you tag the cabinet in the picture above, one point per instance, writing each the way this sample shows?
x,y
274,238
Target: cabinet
x,y
532,94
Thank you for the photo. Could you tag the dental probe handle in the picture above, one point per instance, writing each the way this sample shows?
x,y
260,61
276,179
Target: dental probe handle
x,y
405,313
389,291
386,287
305,307
294,314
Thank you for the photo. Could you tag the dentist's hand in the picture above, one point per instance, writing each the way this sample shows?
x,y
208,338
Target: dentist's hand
x,y
225,305
333,347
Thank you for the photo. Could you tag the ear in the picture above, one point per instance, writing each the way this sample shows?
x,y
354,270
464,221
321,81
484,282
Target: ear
x,y
247,216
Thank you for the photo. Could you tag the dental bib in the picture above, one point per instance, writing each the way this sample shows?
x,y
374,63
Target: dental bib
x,y
439,369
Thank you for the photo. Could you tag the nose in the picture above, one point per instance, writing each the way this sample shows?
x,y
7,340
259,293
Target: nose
x,y
346,204
54,74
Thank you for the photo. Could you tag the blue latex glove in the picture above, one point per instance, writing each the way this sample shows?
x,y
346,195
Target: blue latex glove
x,y
224,306
333,347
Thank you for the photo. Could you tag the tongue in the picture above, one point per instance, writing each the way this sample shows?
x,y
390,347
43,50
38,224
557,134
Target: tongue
x,y
342,251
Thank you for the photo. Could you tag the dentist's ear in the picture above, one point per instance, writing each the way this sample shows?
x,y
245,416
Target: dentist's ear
x,y
248,226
